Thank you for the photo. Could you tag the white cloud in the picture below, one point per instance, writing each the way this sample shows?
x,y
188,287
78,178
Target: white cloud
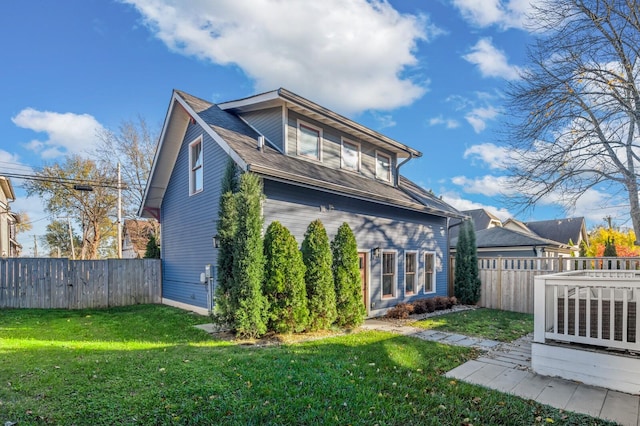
x,y
384,120
496,157
68,133
488,185
449,123
491,61
502,13
321,50
463,204
478,117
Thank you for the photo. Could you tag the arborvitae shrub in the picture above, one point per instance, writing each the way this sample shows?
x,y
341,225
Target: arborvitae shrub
x,y
467,277
321,294
284,285
248,260
346,274
225,299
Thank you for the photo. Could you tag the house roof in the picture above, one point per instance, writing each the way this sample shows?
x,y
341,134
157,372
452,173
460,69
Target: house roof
x,y
562,230
139,232
482,219
504,237
239,140
7,188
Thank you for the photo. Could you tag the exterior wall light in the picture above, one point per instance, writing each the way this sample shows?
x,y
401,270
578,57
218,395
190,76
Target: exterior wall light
x,y
376,252
216,241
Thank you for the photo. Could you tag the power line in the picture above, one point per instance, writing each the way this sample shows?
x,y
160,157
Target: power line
x,y
62,180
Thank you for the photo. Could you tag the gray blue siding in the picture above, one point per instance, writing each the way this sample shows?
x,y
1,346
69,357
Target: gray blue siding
x,y
189,222
374,225
269,123
332,146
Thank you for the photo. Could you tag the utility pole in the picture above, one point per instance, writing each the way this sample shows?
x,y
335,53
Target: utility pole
x,y
35,246
119,214
73,250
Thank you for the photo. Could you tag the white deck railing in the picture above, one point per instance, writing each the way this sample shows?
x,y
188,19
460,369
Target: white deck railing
x,y
592,307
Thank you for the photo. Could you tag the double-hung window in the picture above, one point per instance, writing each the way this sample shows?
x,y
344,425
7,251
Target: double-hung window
x,y
389,264
196,160
410,272
383,166
309,141
429,272
350,155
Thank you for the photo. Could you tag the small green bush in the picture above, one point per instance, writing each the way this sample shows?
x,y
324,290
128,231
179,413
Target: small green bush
x,y
318,277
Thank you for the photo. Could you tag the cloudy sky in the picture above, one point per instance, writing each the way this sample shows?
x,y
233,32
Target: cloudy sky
x,y
429,74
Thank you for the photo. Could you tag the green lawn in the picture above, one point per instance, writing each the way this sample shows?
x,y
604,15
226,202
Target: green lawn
x,y
492,324
148,365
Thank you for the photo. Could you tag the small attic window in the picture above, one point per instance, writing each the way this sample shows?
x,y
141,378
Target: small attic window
x,y
196,174
383,166
350,155
309,141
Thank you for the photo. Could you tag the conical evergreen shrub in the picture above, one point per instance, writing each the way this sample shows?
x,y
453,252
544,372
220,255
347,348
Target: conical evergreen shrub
x,y
284,285
316,253
467,277
248,260
346,274
225,303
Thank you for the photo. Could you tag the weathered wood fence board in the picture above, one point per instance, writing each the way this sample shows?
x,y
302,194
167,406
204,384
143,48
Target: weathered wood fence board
x,y
507,282
78,284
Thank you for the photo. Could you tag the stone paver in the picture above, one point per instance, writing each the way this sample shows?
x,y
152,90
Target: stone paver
x,y
507,367
587,399
620,407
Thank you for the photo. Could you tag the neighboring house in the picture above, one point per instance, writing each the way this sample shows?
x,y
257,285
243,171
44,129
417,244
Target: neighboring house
x,y
482,219
513,238
314,164
506,242
9,246
135,236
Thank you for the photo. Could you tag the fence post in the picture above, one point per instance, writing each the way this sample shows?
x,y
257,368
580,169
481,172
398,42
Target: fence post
x,y
500,283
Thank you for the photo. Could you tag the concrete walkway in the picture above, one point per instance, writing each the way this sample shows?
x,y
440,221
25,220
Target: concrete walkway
x,y
506,367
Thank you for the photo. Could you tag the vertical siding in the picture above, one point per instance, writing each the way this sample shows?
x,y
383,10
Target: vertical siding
x,y
189,222
373,225
269,123
332,146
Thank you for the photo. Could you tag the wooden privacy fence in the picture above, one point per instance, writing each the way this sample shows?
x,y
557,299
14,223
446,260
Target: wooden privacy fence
x,y
507,282
78,284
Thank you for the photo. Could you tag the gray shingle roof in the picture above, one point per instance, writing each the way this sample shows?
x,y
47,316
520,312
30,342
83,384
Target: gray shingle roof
x,y
562,230
271,163
503,237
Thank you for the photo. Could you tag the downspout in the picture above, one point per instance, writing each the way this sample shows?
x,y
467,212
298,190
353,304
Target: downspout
x,y
397,180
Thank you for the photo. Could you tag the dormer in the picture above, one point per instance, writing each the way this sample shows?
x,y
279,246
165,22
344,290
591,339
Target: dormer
x,y
298,127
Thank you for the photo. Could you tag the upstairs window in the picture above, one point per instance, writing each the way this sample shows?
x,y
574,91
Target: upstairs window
x,y
309,141
196,175
383,166
350,155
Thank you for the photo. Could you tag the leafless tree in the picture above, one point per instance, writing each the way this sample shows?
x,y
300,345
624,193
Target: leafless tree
x,y
576,110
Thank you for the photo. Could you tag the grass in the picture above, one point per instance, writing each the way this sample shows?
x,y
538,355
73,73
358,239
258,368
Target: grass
x,y
148,365
493,324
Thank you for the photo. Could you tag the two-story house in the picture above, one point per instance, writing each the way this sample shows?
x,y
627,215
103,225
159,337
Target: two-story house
x,y
314,164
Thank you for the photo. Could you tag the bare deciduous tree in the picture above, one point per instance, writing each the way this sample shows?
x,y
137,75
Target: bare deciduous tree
x,y
577,106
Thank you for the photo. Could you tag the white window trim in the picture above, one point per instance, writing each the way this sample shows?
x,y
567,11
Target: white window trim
x,y
356,144
390,174
320,136
192,190
394,291
416,289
424,271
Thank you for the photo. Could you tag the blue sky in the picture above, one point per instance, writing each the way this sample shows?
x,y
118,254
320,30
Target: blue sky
x,y
429,74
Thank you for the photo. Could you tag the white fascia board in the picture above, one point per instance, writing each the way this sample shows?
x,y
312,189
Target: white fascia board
x,y
252,100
